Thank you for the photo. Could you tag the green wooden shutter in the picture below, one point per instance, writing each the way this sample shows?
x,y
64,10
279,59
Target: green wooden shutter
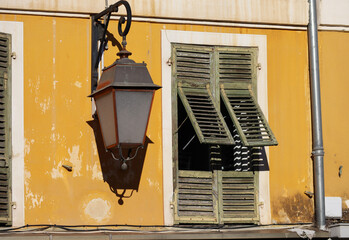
x,y
192,64
196,201
204,115
193,73
238,197
5,164
237,74
247,117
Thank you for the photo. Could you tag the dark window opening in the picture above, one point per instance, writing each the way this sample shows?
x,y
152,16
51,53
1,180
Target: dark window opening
x,y
192,155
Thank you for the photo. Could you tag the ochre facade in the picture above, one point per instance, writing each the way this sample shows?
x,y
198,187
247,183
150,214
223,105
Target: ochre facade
x,y
58,129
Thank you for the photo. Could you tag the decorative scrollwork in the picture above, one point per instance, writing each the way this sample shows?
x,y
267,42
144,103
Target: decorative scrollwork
x,y
99,30
122,20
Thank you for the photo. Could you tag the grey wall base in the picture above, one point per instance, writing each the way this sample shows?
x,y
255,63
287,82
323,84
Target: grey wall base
x,y
340,230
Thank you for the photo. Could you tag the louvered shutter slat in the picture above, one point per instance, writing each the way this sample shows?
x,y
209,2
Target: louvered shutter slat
x,y
195,200
234,66
239,197
193,76
252,126
208,122
236,73
5,187
193,66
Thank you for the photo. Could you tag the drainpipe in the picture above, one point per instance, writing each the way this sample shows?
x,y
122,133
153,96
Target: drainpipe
x,y
318,150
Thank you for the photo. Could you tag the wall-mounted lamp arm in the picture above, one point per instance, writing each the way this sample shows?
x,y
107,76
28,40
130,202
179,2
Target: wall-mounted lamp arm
x,y
102,39
99,31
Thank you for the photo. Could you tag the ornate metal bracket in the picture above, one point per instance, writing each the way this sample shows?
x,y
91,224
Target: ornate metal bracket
x,y
99,30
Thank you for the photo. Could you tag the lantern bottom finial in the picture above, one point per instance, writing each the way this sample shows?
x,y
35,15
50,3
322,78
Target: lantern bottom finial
x,y
122,158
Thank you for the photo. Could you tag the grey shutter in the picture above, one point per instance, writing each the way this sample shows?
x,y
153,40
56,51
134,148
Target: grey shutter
x,y
5,147
193,73
237,74
195,199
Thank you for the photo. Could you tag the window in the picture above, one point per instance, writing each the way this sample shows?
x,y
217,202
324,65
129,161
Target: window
x,y
219,134
5,134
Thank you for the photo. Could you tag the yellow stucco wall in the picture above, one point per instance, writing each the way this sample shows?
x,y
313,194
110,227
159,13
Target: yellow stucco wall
x,y
334,74
56,111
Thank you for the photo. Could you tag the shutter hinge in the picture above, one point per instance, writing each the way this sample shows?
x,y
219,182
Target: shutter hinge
x,y
14,205
13,55
259,66
169,62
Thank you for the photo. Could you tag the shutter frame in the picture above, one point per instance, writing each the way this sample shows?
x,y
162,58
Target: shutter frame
x,y
5,133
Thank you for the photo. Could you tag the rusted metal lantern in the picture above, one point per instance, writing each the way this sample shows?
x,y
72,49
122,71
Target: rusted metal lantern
x,y
123,98
125,91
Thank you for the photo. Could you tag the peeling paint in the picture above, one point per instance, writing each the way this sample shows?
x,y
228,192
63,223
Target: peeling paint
x,y
96,172
75,159
54,82
94,147
283,216
78,84
27,145
56,172
153,184
34,199
45,105
53,137
347,203
98,209
293,209
35,85
27,176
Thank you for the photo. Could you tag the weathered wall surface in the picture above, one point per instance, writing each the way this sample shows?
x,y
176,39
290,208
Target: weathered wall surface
x,y
57,132
57,111
261,11
289,116
334,74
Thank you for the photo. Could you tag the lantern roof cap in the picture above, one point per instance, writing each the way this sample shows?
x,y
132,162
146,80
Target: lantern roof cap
x,y
126,74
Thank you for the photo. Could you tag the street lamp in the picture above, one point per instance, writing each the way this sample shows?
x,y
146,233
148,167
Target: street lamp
x,y
124,94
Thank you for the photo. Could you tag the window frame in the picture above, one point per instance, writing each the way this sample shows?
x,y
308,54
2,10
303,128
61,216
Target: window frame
x,y
19,144
213,209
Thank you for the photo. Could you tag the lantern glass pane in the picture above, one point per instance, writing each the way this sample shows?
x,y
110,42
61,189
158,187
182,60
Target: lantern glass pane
x,y
132,109
106,116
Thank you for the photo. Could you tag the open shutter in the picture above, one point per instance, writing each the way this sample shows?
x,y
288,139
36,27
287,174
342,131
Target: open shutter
x,y
248,118
236,70
5,184
193,72
204,115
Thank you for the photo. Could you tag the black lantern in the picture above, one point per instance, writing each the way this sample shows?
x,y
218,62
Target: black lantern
x,y
123,97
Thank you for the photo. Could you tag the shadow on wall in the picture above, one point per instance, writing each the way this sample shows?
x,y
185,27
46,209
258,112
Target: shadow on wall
x,y
121,182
